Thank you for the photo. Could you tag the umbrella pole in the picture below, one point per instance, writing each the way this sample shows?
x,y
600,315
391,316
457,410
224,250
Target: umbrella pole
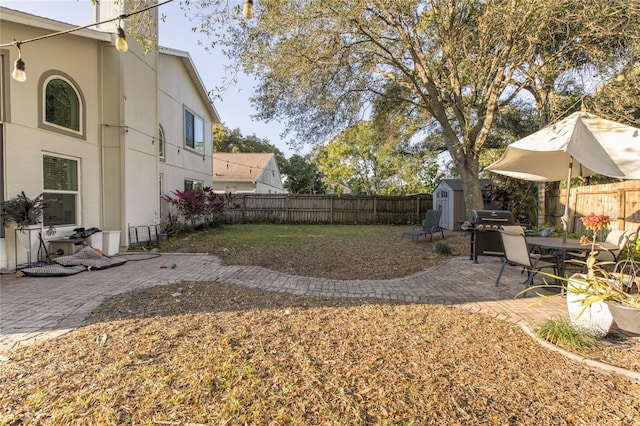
x,y
565,217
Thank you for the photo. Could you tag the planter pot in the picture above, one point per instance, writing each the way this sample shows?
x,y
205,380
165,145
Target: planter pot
x,y
626,317
596,319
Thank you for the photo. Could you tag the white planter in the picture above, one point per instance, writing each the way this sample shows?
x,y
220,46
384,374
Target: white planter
x,y
110,243
596,319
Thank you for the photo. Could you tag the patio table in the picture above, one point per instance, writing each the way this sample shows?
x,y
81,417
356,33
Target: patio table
x,y
561,247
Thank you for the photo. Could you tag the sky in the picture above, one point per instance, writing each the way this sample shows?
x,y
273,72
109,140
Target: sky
x,y
234,107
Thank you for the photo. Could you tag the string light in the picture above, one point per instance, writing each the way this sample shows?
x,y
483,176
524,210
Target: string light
x,y
121,41
19,73
247,10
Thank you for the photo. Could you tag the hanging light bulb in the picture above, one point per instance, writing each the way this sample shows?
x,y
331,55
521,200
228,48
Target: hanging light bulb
x,y
121,41
247,10
19,73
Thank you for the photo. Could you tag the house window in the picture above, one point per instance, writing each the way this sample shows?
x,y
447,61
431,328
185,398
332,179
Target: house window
x,y
193,131
62,107
190,185
161,142
60,183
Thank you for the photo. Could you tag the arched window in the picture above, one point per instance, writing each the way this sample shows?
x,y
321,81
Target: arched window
x,y
62,105
161,142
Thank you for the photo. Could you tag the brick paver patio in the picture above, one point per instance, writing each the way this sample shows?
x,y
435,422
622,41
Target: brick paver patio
x,y
34,308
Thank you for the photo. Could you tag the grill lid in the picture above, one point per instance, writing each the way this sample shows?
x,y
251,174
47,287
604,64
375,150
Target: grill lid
x,y
492,217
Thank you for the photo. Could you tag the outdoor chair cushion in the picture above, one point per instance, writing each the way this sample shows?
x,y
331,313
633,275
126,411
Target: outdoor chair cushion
x,y
89,258
52,270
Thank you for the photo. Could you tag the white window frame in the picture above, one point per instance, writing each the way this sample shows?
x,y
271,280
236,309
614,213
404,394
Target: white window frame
x,y
194,184
43,123
198,124
161,143
75,192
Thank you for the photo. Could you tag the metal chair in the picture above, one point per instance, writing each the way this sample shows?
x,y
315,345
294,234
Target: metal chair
x,y
516,253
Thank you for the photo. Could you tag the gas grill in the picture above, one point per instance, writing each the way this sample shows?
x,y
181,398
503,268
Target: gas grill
x,y
484,226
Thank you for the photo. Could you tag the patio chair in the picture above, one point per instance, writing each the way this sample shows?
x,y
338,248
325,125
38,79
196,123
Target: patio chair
x,y
516,253
430,224
618,238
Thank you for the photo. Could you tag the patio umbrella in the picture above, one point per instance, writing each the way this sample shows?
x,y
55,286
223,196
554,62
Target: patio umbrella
x,y
580,145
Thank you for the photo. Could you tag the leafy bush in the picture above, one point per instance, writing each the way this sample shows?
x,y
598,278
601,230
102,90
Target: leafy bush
x,y
442,247
200,205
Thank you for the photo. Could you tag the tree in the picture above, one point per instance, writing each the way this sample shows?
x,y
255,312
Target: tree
x,y
302,176
358,159
320,65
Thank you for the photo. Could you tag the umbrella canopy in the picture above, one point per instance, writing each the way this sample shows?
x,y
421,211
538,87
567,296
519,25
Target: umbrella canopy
x,y
580,145
597,146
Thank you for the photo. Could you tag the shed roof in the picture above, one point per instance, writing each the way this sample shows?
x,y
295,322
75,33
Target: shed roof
x,y
456,184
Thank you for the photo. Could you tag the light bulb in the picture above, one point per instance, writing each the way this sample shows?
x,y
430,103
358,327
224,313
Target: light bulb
x,y
18,73
121,41
247,10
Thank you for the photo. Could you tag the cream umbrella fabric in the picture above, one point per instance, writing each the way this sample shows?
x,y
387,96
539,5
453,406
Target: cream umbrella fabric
x,y
580,145
597,146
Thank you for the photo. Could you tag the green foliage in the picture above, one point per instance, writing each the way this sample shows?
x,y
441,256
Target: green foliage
x,y
560,332
365,160
23,211
302,176
200,205
442,247
517,196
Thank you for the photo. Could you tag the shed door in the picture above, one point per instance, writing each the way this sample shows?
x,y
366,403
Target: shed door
x,y
444,203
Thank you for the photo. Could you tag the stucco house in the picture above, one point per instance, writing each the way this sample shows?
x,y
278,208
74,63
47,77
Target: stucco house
x,y
246,173
105,133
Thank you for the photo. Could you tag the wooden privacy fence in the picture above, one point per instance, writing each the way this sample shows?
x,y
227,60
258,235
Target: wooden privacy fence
x,y
619,200
328,209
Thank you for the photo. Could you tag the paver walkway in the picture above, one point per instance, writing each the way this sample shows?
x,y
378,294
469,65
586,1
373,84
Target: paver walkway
x,y
35,308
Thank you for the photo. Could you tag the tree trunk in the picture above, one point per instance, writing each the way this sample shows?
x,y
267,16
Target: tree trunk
x,y
471,190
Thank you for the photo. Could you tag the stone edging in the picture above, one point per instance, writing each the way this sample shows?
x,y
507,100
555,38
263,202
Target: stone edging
x,y
630,375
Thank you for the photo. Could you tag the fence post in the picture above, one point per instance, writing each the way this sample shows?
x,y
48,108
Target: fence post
x,y
375,209
331,209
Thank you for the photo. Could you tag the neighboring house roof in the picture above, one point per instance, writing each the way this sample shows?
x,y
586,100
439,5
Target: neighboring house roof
x,y
240,167
456,184
193,73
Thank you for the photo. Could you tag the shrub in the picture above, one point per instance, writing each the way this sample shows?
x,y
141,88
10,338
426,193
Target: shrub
x,y
560,332
442,247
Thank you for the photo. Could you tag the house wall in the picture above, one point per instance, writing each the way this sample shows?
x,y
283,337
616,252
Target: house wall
x,y
129,119
241,187
177,91
25,142
270,181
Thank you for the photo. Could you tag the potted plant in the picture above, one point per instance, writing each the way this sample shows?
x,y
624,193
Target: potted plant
x,y
595,292
23,211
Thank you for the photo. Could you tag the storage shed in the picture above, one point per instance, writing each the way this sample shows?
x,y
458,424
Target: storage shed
x,y
448,197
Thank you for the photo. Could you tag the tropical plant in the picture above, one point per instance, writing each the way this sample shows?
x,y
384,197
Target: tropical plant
x,y
601,285
200,205
23,211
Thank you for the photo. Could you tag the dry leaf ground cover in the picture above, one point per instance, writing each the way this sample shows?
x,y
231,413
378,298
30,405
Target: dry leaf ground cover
x,y
213,353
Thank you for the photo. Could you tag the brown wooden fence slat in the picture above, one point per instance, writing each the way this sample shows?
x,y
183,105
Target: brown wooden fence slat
x,y
331,209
